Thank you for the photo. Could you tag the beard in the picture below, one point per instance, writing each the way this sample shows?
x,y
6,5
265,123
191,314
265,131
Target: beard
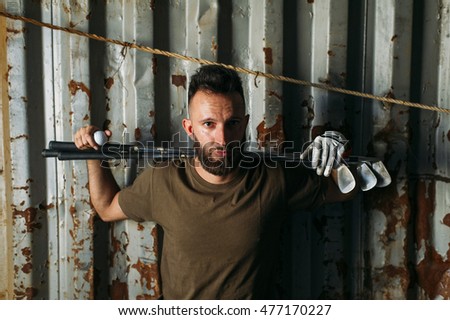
x,y
218,166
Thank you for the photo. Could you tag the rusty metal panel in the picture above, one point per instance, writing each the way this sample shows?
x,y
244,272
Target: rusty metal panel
x,y
388,68
6,261
320,56
130,113
25,190
432,166
72,108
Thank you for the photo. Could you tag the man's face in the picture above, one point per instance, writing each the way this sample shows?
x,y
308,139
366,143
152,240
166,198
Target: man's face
x,y
217,124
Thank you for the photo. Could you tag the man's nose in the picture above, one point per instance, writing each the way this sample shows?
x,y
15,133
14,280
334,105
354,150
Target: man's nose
x,y
220,136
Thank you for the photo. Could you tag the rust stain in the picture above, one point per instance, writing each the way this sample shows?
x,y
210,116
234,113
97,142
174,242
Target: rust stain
x,y
151,114
74,86
433,274
26,252
426,192
43,206
179,81
384,275
30,216
432,270
214,46
119,290
149,274
115,247
273,136
109,82
275,94
27,267
396,207
22,188
24,136
152,5
394,37
28,294
446,220
310,1
137,134
444,286
140,227
16,31
268,59
89,276
331,53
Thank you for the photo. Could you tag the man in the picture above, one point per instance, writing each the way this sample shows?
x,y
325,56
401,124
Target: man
x,y
221,220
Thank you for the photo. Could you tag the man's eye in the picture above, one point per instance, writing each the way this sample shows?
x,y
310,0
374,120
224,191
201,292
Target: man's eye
x,y
207,124
233,123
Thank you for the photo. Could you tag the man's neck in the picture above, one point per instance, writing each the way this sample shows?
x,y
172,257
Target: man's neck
x,y
212,178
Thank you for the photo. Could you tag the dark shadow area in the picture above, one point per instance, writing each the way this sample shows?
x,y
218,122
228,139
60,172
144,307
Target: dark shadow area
x,y
356,60
292,106
98,113
415,147
224,30
161,72
35,216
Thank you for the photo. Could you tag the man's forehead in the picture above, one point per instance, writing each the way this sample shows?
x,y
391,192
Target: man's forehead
x,y
203,99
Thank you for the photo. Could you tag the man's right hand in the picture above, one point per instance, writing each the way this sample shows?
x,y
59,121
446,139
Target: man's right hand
x,y
103,188
84,137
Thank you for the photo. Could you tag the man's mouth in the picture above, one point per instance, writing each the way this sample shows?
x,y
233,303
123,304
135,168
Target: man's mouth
x,y
219,153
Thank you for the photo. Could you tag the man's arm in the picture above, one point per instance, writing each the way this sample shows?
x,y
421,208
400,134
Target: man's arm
x,y
103,188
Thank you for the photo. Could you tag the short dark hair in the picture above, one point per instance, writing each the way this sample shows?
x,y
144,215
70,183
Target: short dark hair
x,y
216,79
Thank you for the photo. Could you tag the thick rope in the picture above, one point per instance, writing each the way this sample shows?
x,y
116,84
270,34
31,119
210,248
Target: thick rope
x,y
237,69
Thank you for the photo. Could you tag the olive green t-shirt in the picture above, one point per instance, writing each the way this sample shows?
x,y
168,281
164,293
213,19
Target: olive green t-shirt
x,y
220,241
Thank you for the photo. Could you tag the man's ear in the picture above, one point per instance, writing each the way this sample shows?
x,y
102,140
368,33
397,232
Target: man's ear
x,y
187,126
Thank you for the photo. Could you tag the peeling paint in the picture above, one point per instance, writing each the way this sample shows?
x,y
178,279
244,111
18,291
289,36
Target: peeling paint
x,y
109,82
268,59
433,275
179,81
446,220
426,193
119,290
30,217
27,294
75,86
272,137
137,134
149,273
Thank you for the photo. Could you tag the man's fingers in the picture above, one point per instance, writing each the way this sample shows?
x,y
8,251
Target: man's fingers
x,y
330,159
316,151
84,139
324,154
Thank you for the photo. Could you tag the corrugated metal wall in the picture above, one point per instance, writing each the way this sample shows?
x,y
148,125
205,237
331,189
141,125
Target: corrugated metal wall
x,y
390,243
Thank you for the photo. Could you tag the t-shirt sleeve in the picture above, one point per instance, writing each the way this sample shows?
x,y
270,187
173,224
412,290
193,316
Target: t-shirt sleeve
x,y
136,200
304,188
